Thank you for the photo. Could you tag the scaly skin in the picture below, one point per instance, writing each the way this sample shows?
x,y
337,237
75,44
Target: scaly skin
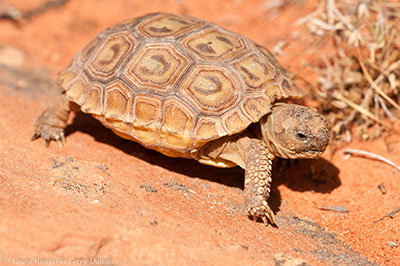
x,y
257,178
50,125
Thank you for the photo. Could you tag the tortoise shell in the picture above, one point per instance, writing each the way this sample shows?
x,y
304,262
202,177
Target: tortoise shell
x,y
174,82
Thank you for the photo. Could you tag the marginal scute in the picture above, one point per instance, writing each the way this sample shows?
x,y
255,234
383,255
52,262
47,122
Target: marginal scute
x,y
211,89
157,67
66,76
273,92
111,55
167,25
120,128
214,44
177,125
264,51
77,90
290,90
147,111
175,119
235,122
93,101
147,119
255,72
146,136
117,98
207,129
256,107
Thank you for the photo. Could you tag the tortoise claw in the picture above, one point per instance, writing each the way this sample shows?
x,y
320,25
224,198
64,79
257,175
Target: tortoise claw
x,y
59,141
35,136
49,134
269,217
265,220
62,136
264,213
47,142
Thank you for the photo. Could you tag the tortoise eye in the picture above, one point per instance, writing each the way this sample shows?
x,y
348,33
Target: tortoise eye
x,y
301,136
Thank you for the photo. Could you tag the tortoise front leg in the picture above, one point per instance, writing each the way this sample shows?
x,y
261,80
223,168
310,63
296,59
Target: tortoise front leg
x,y
51,123
258,163
254,157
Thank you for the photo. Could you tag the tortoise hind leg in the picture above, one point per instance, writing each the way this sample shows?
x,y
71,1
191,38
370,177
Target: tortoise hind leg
x,y
51,123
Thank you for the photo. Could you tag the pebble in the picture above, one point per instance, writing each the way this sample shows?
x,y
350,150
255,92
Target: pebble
x,y
393,244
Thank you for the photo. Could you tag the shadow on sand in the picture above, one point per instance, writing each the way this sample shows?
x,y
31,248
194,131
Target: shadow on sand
x,y
299,175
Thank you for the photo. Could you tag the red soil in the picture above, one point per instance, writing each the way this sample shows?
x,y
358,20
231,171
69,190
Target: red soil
x,y
102,196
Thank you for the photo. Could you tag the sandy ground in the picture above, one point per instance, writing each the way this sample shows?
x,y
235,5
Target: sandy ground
x,y
104,200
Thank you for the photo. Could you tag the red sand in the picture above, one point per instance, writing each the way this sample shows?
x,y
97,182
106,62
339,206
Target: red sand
x,y
104,197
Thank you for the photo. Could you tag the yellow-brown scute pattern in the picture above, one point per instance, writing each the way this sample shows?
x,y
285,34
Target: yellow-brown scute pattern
x,y
174,83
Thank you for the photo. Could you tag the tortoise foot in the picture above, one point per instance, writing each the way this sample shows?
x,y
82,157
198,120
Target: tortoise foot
x,y
263,212
48,133
51,123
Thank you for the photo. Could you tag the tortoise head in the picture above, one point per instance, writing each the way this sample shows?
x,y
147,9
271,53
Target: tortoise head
x,y
293,131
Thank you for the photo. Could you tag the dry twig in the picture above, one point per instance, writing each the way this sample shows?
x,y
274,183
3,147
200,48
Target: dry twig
x,y
340,209
371,155
391,215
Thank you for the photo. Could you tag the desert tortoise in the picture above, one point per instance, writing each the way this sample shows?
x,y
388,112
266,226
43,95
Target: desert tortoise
x,y
188,88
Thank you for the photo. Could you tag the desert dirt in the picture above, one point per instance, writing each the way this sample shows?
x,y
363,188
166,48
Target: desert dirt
x,y
107,201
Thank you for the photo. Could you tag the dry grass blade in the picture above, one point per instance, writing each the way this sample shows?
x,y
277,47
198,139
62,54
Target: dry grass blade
x,y
357,107
391,215
373,84
371,156
358,79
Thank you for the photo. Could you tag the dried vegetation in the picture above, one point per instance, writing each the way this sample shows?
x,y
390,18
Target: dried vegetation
x,y
358,77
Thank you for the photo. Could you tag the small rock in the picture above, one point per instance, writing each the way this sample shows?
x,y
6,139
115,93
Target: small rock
x,y
11,56
285,260
148,188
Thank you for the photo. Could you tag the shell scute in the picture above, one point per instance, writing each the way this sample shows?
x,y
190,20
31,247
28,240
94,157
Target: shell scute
x,y
210,90
214,44
207,129
167,25
147,119
156,67
177,124
77,89
117,99
256,107
235,121
94,102
109,58
255,73
147,111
